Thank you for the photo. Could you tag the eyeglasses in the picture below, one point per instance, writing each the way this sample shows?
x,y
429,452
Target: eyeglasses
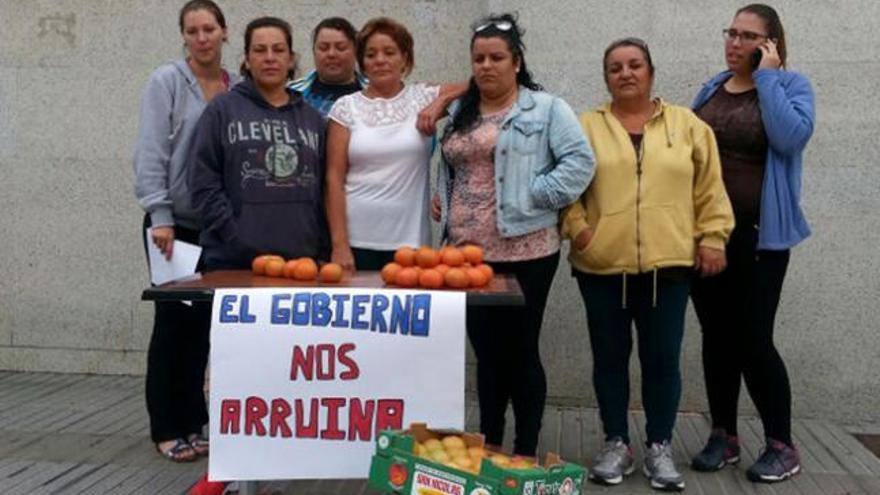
x,y
500,25
744,36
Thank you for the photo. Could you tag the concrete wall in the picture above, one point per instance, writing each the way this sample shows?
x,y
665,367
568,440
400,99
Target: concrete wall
x,y
72,267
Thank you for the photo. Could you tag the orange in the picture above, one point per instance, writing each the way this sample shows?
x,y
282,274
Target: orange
x,y
476,277
431,279
259,265
405,256
275,267
290,268
487,269
456,278
427,257
306,269
407,277
331,273
473,254
452,257
389,272
442,268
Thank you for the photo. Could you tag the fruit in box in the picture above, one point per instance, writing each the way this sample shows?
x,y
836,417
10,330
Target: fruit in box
x,y
471,470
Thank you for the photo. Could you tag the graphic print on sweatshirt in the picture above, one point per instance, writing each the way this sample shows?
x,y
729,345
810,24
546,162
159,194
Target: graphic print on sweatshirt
x,y
274,153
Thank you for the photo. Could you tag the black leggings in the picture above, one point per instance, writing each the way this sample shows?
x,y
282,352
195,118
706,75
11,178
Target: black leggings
x,y
736,310
505,341
176,362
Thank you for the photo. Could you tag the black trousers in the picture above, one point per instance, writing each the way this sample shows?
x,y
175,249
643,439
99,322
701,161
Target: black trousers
x,y
509,369
176,362
737,309
371,259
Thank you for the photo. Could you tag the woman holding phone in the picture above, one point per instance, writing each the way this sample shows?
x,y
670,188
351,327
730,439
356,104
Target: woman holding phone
x,y
763,117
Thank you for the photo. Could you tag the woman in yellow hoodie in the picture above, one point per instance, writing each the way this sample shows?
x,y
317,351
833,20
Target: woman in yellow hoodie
x,y
655,213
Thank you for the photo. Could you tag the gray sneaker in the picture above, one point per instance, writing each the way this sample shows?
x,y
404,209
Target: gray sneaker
x,y
660,468
612,463
777,462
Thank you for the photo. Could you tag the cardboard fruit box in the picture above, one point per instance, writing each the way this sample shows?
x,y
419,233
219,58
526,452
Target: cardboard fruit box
x,y
397,468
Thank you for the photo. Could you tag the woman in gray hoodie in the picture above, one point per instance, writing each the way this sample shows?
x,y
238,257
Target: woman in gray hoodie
x,y
173,100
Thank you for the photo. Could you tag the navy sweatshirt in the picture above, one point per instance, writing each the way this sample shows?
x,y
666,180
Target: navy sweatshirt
x,y
257,178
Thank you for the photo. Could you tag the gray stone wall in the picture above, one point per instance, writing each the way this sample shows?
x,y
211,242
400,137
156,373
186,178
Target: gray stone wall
x,y
71,256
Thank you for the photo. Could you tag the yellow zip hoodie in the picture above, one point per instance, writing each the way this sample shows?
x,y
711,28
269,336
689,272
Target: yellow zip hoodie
x,y
649,210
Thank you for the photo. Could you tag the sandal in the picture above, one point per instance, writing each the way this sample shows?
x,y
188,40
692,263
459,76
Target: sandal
x,y
181,451
198,443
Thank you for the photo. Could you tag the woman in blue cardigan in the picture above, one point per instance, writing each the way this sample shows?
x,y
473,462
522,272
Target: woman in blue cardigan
x,y
763,117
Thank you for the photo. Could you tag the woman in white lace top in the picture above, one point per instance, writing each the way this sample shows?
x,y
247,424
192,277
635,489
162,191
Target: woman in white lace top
x,y
377,192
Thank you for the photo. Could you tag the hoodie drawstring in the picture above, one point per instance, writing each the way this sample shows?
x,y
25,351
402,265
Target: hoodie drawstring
x,y
623,293
654,291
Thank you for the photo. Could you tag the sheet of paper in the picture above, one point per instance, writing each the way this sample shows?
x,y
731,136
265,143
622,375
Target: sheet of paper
x,y
183,261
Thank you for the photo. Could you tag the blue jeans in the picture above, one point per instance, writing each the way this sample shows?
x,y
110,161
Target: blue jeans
x,y
657,306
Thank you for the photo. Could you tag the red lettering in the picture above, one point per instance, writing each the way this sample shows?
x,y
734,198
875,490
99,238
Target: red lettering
x,y
332,431
389,414
302,362
255,411
278,420
326,361
303,430
353,370
230,414
360,420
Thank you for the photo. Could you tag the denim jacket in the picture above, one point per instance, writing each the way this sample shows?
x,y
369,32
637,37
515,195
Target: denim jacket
x,y
543,163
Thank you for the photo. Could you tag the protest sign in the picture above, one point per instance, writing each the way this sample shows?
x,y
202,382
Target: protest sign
x,y
302,379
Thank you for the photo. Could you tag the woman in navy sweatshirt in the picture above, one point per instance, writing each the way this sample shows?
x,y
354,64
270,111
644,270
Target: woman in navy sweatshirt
x,y
763,117
258,161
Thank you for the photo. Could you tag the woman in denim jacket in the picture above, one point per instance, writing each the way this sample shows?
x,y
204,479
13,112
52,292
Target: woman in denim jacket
x,y
513,157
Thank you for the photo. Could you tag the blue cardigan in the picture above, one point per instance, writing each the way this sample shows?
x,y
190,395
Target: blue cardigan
x,y
788,112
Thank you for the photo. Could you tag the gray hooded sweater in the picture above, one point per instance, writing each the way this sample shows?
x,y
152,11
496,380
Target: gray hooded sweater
x,y
171,105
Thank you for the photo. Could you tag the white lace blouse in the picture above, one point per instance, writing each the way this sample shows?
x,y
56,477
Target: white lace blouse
x,y
386,188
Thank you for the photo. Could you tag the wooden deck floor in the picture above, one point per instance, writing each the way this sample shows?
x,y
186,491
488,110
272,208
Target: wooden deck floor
x,y
78,434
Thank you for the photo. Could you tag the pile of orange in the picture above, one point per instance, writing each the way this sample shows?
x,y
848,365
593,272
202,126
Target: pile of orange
x,y
304,269
455,268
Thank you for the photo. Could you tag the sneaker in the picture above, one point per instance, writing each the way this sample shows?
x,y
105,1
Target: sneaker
x,y
777,462
721,449
660,468
613,462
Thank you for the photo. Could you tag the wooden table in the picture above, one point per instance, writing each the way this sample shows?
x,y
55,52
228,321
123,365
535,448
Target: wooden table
x,y
502,290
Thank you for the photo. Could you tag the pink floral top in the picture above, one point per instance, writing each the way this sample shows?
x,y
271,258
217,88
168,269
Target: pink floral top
x,y
472,216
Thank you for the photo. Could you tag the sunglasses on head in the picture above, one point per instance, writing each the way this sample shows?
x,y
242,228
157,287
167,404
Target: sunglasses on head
x,y
499,25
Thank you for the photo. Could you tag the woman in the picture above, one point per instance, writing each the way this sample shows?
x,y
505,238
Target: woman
x,y
258,162
377,161
173,100
763,117
513,157
334,76
655,212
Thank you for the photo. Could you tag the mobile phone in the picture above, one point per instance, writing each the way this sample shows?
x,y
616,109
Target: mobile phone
x,y
756,58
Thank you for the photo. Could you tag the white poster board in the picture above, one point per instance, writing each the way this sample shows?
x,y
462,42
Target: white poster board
x,y
303,378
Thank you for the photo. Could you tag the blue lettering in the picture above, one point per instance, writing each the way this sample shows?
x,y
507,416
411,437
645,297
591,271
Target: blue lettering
x,y
321,309
421,315
400,313
280,316
358,308
377,318
301,308
339,311
226,315
244,316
